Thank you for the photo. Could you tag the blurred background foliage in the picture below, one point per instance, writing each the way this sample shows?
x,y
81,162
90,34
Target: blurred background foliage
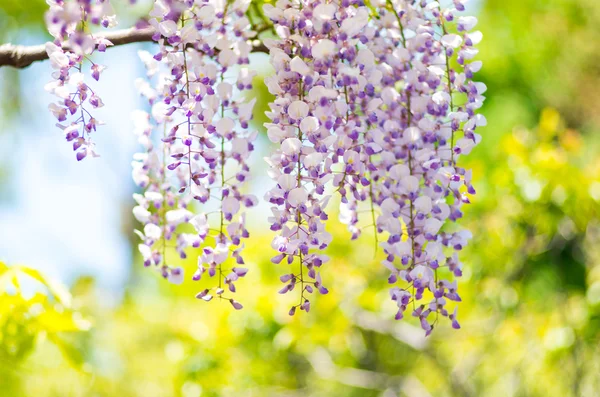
x,y
531,290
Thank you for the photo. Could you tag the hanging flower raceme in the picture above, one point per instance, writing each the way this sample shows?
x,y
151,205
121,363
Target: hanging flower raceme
x,y
423,130
313,124
159,209
396,133
68,22
204,49
356,75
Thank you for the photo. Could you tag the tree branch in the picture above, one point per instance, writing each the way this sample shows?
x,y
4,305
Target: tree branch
x,y
20,57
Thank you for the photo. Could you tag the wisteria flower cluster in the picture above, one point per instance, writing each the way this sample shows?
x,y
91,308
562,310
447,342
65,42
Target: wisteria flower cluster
x,y
367,99
201,158
375,104
68,22
432,128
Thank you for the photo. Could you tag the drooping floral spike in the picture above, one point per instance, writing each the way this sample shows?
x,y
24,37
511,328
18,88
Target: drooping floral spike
x,y
68,22
313,121
426,122
371,94
201,74
159,209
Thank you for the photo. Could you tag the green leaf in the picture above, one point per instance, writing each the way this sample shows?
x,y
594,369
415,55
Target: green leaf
x,y
58,291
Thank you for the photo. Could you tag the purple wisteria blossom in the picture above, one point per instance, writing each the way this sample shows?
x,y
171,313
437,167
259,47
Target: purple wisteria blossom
x,y
68,22
375,105
313,125
425,121
200,72
380,102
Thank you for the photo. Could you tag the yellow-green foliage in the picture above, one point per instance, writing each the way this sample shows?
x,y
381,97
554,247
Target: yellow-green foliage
x,y
34,309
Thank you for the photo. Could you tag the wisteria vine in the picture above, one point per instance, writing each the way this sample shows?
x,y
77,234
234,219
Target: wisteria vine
x,y
375,104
